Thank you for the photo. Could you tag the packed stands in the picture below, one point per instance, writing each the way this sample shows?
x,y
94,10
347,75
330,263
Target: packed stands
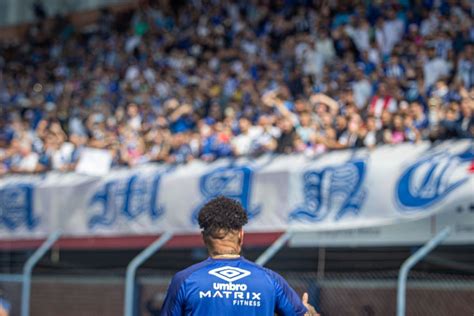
x,y
176,81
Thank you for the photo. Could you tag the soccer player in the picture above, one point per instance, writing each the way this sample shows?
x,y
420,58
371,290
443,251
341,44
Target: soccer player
x,y
226,283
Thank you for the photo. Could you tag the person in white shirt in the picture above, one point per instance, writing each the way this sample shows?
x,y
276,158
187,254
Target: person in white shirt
x,y
429,24
393,29
265,141
381,37
434,68
362,90
360,34
134,118
242,144
374,53
313,60
27,160
325,45
465,66
300,50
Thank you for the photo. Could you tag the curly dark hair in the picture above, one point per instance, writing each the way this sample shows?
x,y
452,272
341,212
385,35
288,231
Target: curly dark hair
x,y
221,215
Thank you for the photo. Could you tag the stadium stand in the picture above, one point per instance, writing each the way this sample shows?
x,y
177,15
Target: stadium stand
x,y
177,81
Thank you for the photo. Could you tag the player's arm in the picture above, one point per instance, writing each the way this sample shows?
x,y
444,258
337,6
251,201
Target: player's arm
x,y
3,312
287,302
4,307
174,301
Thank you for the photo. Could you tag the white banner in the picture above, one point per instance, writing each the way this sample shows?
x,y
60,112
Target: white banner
x,y
338,190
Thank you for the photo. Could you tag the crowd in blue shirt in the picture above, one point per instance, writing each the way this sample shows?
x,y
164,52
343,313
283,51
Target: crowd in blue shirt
x,y
173,81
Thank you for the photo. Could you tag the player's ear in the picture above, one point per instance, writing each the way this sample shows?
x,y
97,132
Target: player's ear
x,y
241,236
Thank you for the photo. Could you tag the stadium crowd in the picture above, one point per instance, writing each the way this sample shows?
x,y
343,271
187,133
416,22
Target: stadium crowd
x,y
174,81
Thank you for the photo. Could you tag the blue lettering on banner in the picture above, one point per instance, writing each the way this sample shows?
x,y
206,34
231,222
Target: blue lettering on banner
x,y
233,182
427,181
334,190
128,198
16,207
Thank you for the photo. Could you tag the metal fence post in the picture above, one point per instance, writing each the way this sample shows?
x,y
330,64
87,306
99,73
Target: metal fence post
x,y
410,262
28,270
274,248
133,266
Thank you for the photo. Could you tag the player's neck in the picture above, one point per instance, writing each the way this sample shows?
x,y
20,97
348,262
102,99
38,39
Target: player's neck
x,y
224,252
225,256
224,247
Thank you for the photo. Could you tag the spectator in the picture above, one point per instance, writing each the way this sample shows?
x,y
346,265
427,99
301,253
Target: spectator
x,y
434,68
361,89
382,101
466,124
373,136
288,138
350,137
243,143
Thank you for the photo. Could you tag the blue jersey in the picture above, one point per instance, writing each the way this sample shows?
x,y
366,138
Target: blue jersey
x,y
230,287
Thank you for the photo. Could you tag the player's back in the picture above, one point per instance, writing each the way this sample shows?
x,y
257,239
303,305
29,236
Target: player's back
x,y
230,287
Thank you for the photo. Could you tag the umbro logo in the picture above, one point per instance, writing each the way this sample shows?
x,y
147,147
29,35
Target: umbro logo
x,y
229,274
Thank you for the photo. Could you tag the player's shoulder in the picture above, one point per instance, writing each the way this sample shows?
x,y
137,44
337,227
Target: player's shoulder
x,y
272,275
253,265
182,275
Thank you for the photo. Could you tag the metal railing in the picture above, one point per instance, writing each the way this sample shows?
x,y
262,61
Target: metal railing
x,y
28,270
132,269
410,263
271,251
